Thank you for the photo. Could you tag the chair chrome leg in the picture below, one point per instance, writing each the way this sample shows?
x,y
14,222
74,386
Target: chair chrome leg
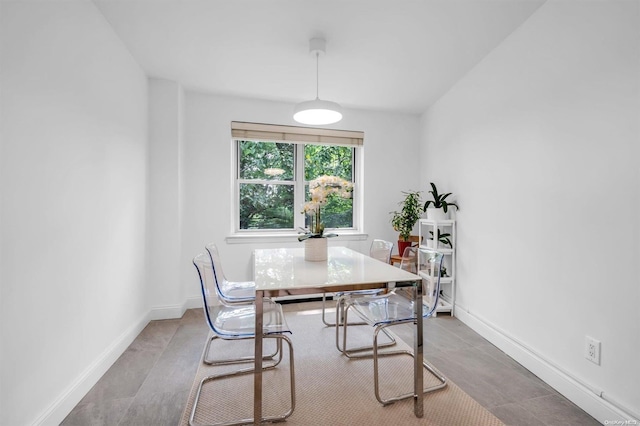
x,y
392,340
250,370
376,382
324,318
339,303
338,312
241,360
375,355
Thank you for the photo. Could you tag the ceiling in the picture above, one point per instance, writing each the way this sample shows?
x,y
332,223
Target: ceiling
x,y
390,55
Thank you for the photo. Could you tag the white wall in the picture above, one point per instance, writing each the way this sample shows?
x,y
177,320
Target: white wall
x,y
165,204
545,124
540,145
390,166
73,185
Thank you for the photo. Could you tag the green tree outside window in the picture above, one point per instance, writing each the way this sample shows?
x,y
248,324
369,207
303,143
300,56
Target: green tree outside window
x,y
267,170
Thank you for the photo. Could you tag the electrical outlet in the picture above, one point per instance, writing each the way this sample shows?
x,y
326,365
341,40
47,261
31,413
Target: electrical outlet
x,y
592,350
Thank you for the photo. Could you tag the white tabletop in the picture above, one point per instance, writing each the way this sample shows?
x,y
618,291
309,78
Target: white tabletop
x,y
285,268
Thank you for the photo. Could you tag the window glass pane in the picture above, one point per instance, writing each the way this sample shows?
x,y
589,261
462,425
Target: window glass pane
x,y
328,160
337,212
266,206
266,160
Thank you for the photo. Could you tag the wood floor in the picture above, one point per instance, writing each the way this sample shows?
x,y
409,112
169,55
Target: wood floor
x,y
149,384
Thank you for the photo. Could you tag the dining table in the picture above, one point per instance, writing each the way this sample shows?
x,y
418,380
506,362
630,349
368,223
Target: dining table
x,y
285,272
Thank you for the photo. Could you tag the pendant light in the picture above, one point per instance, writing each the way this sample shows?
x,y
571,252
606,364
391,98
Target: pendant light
x,y
317,111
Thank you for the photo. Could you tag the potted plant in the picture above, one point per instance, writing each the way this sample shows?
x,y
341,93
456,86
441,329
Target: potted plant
x,y
443,238
320,190
404,220
438,207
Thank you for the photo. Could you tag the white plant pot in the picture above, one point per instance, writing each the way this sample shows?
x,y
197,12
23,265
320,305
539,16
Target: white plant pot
x,y
437,214
315,249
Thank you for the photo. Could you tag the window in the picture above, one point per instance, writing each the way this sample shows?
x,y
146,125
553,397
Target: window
x,y
274,165
266,184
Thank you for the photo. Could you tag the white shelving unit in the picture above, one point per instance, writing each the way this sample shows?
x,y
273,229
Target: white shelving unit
x,y
428,232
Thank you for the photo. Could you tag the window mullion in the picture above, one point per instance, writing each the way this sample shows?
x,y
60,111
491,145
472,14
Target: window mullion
x,y
300,185
267,181
236,182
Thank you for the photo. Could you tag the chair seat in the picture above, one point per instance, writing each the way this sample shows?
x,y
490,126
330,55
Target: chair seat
x,y
396,306
357,292
239,320
240,291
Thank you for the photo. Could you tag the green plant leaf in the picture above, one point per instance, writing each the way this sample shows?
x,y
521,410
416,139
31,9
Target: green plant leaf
x,y
434,190
439,200
404,220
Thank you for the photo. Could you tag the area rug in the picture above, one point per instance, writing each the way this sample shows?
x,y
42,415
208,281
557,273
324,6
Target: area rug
x,y
330,388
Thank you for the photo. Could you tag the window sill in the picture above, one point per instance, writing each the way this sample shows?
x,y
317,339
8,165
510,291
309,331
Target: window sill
x,y
287,238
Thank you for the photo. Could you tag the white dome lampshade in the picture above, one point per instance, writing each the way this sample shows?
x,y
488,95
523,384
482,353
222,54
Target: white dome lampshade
x,y
317,111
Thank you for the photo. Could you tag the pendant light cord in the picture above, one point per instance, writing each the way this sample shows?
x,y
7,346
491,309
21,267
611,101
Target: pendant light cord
x,y
317,75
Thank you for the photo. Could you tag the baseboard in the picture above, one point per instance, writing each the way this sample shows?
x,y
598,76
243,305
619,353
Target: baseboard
x,y
585,396
166,312
174,311
70,397
192,303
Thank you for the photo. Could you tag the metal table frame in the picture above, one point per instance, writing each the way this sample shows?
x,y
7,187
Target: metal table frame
x,y
284,272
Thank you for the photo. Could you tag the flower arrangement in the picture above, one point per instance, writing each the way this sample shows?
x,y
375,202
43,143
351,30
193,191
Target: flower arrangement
x,y
321,189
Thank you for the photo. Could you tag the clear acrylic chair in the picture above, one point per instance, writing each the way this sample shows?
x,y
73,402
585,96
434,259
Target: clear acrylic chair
x,y
397,307
229,293
381,250
237,322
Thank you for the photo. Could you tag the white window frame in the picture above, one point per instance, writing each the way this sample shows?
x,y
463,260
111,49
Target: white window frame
x,y
310,136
